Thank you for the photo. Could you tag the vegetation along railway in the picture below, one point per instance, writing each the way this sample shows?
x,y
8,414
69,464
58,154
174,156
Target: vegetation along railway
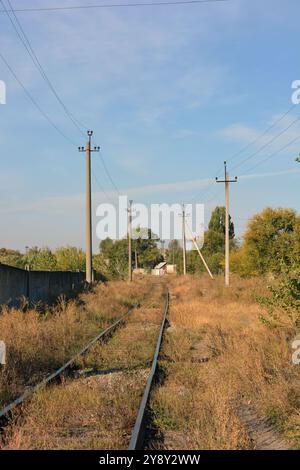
x,y
15,413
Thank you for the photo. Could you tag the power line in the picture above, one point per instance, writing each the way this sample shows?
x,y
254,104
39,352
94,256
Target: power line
x,y
109,175
34,102
26,43
269,157
266,145
101,188
117,5
206,190
274,154
257,139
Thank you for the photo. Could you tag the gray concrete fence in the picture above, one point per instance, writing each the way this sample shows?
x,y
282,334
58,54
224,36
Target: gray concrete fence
x,y
36,286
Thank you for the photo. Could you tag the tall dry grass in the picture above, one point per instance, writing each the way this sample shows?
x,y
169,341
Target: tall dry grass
x,y
97,410
248,364
39,343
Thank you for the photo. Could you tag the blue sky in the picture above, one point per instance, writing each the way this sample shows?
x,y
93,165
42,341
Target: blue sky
x,y
170,92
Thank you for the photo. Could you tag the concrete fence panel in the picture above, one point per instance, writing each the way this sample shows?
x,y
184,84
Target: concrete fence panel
x,y
36,286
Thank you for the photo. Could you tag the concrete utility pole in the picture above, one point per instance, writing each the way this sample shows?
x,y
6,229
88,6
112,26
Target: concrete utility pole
x,y
129,241
183,240
88,208
226,181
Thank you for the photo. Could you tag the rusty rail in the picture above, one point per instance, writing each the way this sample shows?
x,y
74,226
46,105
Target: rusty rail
x,y
138,432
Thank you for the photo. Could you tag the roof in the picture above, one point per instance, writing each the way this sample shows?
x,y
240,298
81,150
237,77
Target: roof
x,y
160,265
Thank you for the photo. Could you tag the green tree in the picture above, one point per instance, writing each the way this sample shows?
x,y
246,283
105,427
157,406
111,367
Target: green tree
x,y
40,259
145,245
173,251
214,240
115,253
174,256
70,258
100,266
114,258
12,258
106,246
272,240
282,307
217,222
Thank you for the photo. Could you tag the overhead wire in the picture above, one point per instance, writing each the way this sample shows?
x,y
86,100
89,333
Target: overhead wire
x,y
253,142
101,188
258,138
274,154
117,5
108,174
27,44
34,102
267,144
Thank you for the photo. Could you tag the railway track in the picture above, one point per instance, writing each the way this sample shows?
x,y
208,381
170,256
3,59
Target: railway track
x,y
138,433
140,426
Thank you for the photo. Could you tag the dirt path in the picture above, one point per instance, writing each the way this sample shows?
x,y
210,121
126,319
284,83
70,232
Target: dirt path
x,y
262,434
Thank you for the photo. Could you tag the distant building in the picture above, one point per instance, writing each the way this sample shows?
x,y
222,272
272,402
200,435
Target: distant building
x,y
171,268
160,269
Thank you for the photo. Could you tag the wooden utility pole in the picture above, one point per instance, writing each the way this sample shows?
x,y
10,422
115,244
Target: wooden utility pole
x,y
183,240
226,181
129,241
88,209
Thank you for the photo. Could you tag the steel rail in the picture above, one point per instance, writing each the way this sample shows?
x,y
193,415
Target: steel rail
x,y
138,431
59,371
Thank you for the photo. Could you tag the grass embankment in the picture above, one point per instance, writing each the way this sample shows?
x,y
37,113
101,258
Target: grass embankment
x,y
223,362
37,344
98,410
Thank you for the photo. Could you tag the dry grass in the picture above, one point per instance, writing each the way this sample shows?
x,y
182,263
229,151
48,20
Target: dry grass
x,y
94,413
39,343
247,363
217,358
98,410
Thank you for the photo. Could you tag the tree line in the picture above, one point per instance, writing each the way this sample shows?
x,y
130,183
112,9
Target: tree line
x,y
111,261
67,258
271,244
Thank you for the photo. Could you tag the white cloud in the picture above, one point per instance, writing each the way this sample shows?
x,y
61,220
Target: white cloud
x,y
265,144
239,132
137,164
272,173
